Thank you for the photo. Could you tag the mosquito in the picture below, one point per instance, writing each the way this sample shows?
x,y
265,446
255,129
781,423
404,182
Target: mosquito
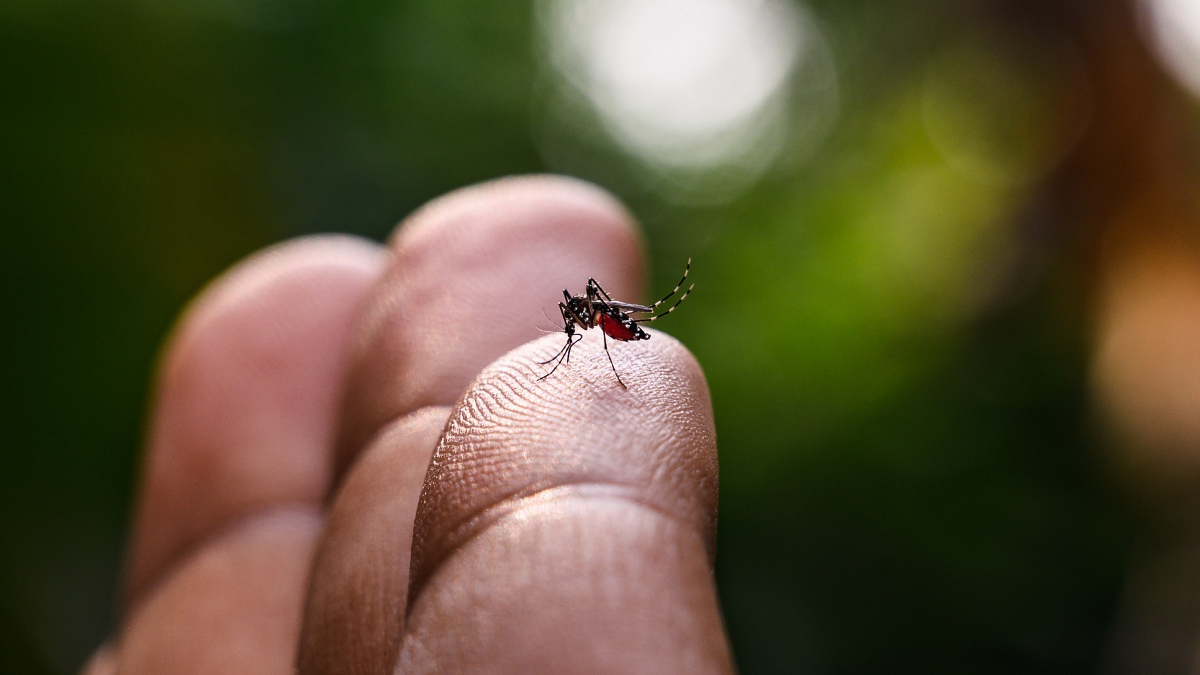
x,y
596,308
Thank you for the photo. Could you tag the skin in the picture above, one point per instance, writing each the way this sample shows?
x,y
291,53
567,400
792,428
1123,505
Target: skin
x,y
353,468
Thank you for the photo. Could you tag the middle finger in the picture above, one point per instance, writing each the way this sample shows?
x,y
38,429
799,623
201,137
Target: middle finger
x,y
472,276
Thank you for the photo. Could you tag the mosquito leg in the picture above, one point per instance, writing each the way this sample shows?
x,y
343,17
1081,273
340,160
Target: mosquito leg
x,y
568,328
560,351
565,352
551,370
571,346
677,286
610,362
659,316
593,284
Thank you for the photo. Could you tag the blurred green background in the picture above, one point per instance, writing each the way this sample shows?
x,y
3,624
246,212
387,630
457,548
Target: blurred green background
x,y
890,314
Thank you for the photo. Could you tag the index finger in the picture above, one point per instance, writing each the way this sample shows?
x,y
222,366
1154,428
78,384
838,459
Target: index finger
x,y
470,277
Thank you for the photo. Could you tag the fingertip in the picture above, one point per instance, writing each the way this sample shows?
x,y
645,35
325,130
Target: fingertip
x,y
472,276
280,282
514,434
567,524
271,272
524,198
245,400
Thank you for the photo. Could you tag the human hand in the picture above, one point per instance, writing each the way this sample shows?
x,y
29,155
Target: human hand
x,y
563,525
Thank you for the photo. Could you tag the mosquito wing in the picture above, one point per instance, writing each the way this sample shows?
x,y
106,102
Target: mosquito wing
x,y
628,307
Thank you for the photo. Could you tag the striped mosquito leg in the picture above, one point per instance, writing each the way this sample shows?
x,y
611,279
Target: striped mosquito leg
x,y
678,303
677,286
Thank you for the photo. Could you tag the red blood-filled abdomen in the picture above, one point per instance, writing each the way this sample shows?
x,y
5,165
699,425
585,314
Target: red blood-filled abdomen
x,y
615,329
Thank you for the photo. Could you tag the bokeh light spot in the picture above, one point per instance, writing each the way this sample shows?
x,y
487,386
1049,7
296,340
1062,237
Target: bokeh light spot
x,y
1175,30
679,83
